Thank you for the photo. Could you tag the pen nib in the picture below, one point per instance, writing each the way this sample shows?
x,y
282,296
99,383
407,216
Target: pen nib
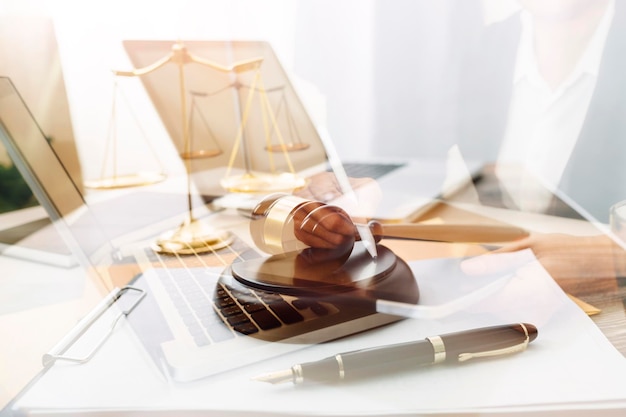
x,y
275,377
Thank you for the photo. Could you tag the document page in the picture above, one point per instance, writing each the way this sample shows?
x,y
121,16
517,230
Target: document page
x,y
570,366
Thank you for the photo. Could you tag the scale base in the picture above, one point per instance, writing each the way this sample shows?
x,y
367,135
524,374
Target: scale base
x,y
192,237
126,181
201,154
288,147
262,183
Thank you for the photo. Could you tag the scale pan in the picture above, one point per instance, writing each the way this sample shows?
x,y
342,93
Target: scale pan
x,y
126,181
289,147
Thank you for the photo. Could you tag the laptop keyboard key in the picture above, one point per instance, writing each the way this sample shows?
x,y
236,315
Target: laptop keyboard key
x,y
269,297
237,319
201,340
219,332
251,308
224,302
286,312
246,328
231,311
319,309
265,320
300,304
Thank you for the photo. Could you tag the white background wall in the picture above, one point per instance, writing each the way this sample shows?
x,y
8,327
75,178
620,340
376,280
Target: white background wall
x,y
341,49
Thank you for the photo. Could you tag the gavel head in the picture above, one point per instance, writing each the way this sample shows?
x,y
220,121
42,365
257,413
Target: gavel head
x,y
284,223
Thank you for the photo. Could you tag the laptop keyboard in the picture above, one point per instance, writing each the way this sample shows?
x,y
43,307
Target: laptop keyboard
x,y
369,170
214,310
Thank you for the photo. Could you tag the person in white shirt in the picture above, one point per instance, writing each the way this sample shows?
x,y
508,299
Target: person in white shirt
x,y
555,74
550,101
546,99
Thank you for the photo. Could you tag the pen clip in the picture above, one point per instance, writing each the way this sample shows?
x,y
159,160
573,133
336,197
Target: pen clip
x,y
497,352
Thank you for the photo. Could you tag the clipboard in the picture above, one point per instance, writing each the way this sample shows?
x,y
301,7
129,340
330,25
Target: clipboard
x,y
58,352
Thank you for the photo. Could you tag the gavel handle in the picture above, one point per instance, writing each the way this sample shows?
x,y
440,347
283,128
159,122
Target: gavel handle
x,y
454,233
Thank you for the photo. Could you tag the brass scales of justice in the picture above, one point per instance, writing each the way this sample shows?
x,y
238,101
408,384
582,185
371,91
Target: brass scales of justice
x,y
197,235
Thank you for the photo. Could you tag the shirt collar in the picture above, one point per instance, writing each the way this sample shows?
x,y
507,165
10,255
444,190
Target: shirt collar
x,y
526,65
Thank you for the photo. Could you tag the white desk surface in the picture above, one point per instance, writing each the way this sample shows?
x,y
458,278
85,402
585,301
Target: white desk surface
x,y
66,296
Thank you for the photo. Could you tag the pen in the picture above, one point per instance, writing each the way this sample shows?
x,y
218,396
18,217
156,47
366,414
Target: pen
x,y
450,348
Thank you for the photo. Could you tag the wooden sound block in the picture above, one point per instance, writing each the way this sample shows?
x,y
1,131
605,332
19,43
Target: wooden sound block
x,y
359,277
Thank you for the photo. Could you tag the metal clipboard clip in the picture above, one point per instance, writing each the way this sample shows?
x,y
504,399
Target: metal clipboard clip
x,y
58,351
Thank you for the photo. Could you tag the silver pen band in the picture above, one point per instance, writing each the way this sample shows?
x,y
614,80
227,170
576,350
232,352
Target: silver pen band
x,y
296,370
342,371
439,348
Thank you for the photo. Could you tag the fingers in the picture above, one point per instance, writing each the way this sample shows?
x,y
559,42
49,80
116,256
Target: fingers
x,y
515,246
323,226
322,187
565,257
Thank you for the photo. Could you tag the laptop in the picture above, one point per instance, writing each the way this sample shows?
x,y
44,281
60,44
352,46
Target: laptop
x,y
195,318
25,229
228,105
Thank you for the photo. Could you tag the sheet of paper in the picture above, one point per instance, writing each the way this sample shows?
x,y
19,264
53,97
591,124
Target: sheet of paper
x,y
571,365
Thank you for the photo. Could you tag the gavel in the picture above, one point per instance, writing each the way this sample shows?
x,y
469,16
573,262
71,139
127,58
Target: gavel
x,y
283,223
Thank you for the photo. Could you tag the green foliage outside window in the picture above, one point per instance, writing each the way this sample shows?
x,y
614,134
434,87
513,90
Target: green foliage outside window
x,y
14,192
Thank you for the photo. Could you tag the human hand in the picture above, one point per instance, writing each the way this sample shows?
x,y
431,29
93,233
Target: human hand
x,y
575,262
284,223
324,227
325,188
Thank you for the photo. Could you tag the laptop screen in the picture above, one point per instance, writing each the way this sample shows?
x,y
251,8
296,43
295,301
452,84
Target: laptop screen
x,y
47,177
37,73
227,98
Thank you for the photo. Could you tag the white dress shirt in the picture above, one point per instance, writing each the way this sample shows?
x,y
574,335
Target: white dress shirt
x,y
544,123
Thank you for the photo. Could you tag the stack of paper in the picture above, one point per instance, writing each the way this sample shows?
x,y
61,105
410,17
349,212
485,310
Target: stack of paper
x,y
570,366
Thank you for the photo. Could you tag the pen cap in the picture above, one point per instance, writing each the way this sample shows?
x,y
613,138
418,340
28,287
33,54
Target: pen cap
x,y
284,223
488,341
